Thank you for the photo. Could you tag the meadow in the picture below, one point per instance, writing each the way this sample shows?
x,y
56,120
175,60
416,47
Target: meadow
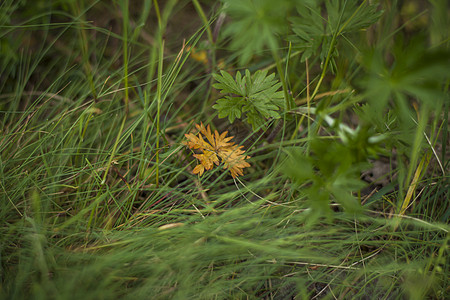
x,y
233,149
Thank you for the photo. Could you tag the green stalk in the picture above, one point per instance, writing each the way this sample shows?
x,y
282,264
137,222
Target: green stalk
x,y
337,32
416,150
212,51
332,44
144,136
286,97
204,19
158,97
159,85
113,152
282,79
158,14
124,7
325,66
84,46
308,104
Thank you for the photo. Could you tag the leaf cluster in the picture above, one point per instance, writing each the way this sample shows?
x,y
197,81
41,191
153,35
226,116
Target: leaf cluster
x,y
418,74
325,177
400,95
259,24
214,147
314,29
332,168
256,25
256,96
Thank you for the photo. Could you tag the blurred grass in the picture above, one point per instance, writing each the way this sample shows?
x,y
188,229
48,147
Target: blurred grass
x,y
97,195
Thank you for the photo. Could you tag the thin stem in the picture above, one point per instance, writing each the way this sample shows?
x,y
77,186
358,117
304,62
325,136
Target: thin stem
x,y
113,152
158,97
308,103
282,79
205,20
84,46
125,50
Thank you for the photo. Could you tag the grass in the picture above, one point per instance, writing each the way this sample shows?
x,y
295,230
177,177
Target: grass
x,y
346,196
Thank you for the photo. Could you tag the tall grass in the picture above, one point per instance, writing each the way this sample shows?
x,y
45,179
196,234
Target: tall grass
x,y
97,195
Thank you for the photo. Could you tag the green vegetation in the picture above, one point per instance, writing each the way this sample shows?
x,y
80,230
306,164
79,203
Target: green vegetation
x,y
259,98
341,107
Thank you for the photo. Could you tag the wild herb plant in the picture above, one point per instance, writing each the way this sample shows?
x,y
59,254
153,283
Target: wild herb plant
x,y
256,96
335,184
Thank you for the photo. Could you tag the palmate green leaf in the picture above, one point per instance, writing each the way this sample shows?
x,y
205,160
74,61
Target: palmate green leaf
x,y
256,96
258,112
329,171
264,87
419,75
230,107
309,28
350,16
266,109
256,25
298,166
227,84
313,32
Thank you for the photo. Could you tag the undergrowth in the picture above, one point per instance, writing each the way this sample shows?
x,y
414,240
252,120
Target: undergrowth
x,y
335,184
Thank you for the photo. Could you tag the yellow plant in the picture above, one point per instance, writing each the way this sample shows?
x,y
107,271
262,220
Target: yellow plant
x,y
214,147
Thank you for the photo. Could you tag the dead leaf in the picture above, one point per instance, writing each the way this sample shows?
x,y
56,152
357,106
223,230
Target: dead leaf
x,y
214,147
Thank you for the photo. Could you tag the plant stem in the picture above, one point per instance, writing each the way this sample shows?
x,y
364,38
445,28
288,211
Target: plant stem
x,y
84,46
205,20
158,98
124,5
113,152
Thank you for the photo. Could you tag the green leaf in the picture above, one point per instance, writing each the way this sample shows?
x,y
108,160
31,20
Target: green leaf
x,y
329,171
347,200
309,28
265,108
313,33
254,119
256,25
419,75
297,166
226,83
349,16
256,96
229,107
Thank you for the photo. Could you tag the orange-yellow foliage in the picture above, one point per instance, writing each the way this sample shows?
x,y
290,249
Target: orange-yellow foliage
x,y
214,147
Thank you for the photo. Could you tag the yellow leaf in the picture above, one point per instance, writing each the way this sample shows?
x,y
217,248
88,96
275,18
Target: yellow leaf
x,y
199,169
214,147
